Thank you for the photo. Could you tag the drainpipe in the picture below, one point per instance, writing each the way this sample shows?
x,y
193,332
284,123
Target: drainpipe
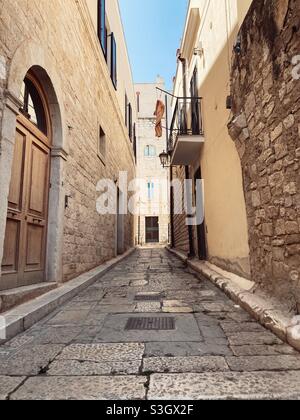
x,y
172,208
187,168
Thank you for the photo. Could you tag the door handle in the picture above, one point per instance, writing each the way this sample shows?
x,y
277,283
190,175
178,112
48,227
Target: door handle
x,y
12,214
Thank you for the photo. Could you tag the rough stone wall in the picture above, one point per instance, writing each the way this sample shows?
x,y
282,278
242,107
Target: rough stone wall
x,y
266,130
63,29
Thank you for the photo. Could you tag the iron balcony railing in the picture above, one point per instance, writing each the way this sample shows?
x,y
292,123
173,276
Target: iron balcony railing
x,y
187,120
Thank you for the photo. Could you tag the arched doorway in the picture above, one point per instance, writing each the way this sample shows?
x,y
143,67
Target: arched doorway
x,y
25,244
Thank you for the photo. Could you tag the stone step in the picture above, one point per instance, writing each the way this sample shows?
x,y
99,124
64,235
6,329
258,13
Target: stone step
x,y
14,297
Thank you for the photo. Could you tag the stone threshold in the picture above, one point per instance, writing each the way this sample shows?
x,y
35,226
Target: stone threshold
x,y
14,297
22,317
264,310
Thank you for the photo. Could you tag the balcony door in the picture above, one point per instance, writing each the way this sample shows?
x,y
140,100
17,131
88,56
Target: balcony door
x,y
195,104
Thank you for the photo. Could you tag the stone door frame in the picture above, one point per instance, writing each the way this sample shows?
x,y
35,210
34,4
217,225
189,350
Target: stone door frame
x,y
31,57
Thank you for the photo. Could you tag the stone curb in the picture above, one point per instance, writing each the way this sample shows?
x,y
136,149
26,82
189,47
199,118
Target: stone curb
x,y
23,317
265,313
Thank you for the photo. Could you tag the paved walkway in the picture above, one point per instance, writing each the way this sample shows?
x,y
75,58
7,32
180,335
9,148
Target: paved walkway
x,y
91,347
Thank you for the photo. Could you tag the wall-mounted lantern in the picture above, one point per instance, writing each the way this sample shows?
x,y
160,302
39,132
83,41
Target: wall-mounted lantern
x,y
164,159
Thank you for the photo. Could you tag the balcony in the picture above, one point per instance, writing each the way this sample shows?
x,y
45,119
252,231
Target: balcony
x,y
186,138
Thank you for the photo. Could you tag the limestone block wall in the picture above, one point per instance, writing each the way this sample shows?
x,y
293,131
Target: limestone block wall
x,y
266,129
59,37
149,168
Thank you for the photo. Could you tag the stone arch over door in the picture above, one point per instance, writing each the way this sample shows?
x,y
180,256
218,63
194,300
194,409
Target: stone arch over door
x,y
31,57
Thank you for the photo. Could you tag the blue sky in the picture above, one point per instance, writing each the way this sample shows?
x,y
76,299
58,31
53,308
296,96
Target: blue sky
x,y
153,30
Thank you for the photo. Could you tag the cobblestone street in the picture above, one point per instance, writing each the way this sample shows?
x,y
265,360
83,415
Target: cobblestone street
x,y
92,349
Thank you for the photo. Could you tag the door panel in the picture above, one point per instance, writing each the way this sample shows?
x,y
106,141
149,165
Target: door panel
x,y
152,229
16,186
38,184
34,247
201,231
11,249
26,230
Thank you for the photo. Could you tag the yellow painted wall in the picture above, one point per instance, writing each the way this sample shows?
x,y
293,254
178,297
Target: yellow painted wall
x,y
221,168
226,220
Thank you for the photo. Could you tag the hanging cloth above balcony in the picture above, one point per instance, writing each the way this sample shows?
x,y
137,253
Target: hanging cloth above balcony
x,y
159,113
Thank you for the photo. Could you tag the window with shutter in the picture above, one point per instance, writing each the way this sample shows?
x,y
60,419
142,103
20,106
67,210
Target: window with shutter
x,y
102,31
113,64
130,121
134,141
126,110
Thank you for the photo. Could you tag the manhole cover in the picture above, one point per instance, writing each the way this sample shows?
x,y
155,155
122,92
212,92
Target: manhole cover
x,y
148,298
157,324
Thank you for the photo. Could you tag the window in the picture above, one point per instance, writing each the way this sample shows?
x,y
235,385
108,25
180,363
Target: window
x,y
130,121
126,110
150,189
102,145
102,31
138,94
128,118
32,105
134,141
113,61
150,151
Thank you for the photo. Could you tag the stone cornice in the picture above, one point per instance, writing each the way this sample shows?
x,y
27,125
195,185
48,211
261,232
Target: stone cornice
x,y
59,152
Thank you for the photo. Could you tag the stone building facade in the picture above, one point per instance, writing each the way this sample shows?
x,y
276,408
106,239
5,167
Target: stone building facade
x,y
152,207
265,128
57,45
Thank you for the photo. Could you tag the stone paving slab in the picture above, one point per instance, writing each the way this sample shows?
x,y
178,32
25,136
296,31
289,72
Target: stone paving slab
x,y
185,349
224,386
82,388
115,309
263,350
264,363
71,318
237,316
237,327
103,352
148,307
249,338
185,364
90,295
88,334
218,307
55,335
8,385
139,283
29,361
86,368
177,310
19,341
212,332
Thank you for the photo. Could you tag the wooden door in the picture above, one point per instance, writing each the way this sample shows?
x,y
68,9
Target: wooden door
x,y
26,230
201,233
152,229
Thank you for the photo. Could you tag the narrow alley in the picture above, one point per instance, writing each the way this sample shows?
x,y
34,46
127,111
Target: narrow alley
x,y
149,329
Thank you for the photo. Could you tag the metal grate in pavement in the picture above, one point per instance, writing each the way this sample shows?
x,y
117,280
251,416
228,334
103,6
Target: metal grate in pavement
x,y
149,323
